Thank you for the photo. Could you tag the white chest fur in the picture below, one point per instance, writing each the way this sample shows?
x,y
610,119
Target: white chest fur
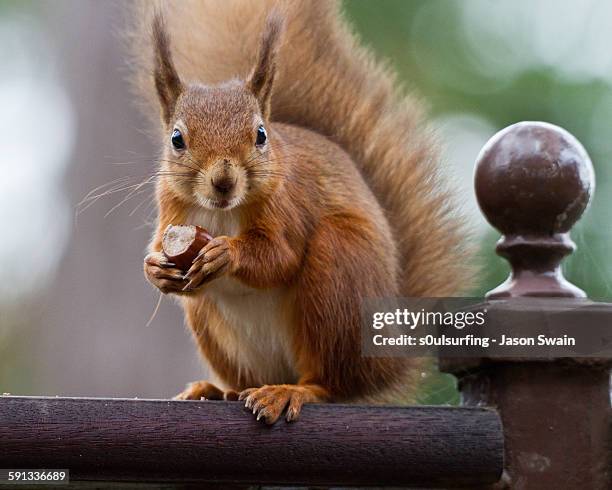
x,y
256,325
217,222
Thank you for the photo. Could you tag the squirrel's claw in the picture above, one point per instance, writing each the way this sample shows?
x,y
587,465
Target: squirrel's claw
x,y
163,274
212,262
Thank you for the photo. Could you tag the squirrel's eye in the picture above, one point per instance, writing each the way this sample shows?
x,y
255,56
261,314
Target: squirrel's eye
x,y
261,136
177,140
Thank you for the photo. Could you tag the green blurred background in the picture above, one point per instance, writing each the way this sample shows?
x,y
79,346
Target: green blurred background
x,y
73,321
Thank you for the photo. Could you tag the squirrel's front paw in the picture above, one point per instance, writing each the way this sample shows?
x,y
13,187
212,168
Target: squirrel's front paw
x,y
214,260
163,274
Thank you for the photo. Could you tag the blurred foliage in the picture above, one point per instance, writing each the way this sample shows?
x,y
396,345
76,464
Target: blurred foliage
x,y
425,42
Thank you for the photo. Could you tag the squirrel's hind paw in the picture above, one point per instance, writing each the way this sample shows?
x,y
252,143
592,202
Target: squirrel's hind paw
x,y
270,401
199,390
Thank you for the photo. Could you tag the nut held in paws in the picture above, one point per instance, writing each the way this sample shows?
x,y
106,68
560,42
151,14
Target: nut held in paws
x,y
182,243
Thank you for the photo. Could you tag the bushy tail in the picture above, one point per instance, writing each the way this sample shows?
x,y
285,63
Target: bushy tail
x,y
329,83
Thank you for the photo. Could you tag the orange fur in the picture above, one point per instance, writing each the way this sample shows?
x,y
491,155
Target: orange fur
x,y
342,203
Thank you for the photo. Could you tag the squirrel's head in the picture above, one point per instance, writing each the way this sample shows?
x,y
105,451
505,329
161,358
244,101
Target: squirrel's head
x,y
217,148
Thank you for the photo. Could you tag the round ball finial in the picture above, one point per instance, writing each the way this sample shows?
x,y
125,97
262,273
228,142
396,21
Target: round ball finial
x,y
533,182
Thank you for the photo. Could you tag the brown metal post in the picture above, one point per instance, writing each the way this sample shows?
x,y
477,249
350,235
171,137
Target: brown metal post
x,y
533,182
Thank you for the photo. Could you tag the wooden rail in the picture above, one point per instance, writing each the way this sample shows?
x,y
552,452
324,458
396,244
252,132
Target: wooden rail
x,y
206,441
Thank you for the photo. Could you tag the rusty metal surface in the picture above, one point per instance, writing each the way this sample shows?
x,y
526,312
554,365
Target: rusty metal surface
x,y
556,421
533,182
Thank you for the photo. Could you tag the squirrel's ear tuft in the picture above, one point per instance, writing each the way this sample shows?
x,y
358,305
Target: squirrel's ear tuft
x,y
261,78
167,81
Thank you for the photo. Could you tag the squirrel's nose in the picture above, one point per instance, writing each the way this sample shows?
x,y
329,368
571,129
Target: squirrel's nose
x,y
223,185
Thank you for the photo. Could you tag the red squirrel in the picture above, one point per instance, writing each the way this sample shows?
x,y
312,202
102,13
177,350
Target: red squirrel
x,y
319,182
